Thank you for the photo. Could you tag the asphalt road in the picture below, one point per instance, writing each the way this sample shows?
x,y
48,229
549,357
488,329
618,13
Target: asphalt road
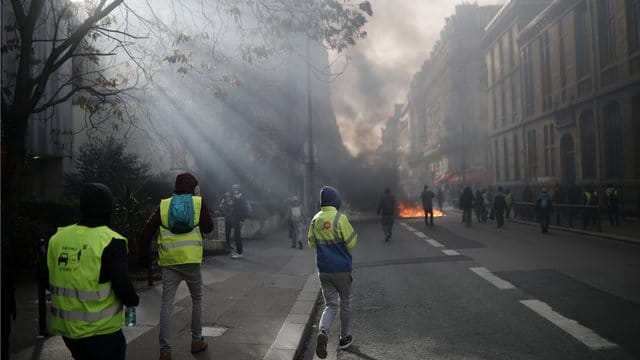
x,y
487,293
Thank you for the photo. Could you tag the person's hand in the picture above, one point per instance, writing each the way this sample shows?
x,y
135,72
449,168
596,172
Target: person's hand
x,y
196,190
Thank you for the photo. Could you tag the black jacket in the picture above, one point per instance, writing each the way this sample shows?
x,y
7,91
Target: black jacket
x,y
387,205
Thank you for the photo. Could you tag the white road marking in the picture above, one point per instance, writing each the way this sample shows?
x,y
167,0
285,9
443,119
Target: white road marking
x,y
490,277
420,234
572,327
434,243
450,252
410,228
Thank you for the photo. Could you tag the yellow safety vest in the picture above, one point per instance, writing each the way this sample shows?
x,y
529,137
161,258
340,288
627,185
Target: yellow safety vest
x,y
80,306
176,249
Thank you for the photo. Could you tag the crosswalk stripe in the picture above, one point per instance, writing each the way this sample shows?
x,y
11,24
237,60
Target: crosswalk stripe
x,y
450,252
434,243
420,234
571,327
493,279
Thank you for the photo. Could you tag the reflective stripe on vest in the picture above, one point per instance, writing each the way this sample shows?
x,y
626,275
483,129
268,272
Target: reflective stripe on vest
x,y
81,295
80,306
86,316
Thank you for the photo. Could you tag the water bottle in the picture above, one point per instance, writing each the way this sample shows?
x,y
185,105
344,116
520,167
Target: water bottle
x,y
130,316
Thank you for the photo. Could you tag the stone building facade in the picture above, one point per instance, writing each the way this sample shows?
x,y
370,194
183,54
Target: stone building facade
x,y
455,149
579,96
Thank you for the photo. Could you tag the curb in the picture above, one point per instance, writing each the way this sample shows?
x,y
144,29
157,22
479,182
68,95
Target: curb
x,y
292,334
621,238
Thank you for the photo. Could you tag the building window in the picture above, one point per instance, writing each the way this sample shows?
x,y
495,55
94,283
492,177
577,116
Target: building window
x,y
545,71
606,32
505,149
607,41
563,64
532,155
527,65
514,103
493,67
549,158
587,145
612,140
635,119
583,64
497,159
633,25
503,103
494,108
501,54
511,57
516,158
633,35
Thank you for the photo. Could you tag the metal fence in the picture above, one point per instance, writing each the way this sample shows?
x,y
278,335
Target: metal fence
x,y
568,215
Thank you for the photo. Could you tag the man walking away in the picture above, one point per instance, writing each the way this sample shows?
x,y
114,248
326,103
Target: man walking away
x,y
544,208
296,219
89,280
508,197
333,237
613,202
499,206
225,208
179,255
239,213
427,204
386,208
466,204
590,203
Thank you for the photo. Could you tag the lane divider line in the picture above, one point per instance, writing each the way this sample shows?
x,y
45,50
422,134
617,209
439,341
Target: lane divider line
x,y
493,279
571,327
434,243
420,234
450,252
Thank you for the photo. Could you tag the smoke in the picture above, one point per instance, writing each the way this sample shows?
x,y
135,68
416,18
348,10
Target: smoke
x,y
400,37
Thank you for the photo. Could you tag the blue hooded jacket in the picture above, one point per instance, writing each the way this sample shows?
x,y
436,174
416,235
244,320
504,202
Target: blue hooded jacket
x,y
331,235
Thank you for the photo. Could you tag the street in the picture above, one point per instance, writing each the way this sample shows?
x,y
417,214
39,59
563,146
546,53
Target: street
x,y
450,292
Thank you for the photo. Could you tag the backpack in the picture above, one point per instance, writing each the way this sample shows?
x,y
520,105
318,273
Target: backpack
x,y
296,213
544,203
181,214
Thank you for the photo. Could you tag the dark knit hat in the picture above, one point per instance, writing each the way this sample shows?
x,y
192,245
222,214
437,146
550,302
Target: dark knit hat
x,y
185,183
329,196
96,203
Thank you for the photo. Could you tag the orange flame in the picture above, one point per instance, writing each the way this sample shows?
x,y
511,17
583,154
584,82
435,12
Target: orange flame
x,y
414,210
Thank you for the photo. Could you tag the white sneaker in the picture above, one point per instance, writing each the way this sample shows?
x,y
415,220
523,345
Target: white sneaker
x,y
237,256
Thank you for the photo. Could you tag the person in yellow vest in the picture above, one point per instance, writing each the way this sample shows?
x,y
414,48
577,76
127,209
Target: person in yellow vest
x,y
180,257
89,280
590,213
333,237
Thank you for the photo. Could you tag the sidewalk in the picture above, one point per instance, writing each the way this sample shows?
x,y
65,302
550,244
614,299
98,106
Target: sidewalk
x,y
256,308
627,231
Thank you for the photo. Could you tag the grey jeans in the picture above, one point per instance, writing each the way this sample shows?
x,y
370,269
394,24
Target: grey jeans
x,y
172,276
336,290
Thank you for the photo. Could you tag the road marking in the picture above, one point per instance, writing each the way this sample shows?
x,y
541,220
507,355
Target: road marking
x,y
572,327
410,228
434,243
450,252
420,234
490,277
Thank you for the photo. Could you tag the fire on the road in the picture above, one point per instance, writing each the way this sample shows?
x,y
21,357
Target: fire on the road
x,y
414,210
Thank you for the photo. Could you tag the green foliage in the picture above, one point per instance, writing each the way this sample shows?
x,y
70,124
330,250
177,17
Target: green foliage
x,y
106,160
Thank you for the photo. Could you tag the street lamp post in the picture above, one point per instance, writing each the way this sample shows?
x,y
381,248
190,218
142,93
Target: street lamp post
x,y
310,143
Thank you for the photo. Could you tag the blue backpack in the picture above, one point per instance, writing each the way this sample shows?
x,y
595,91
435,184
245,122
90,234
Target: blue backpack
x,y
181,214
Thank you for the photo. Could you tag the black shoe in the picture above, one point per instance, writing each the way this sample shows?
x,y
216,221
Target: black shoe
x,y
345,342
321,344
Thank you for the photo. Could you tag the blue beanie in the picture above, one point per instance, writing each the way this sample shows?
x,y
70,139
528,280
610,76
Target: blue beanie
x,y
329,196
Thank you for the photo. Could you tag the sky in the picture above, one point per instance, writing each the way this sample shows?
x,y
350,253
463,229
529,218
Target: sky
x,y
380,67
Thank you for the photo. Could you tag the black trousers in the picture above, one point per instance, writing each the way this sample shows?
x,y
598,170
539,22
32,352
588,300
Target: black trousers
x,y
428,216
387,224
100,347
